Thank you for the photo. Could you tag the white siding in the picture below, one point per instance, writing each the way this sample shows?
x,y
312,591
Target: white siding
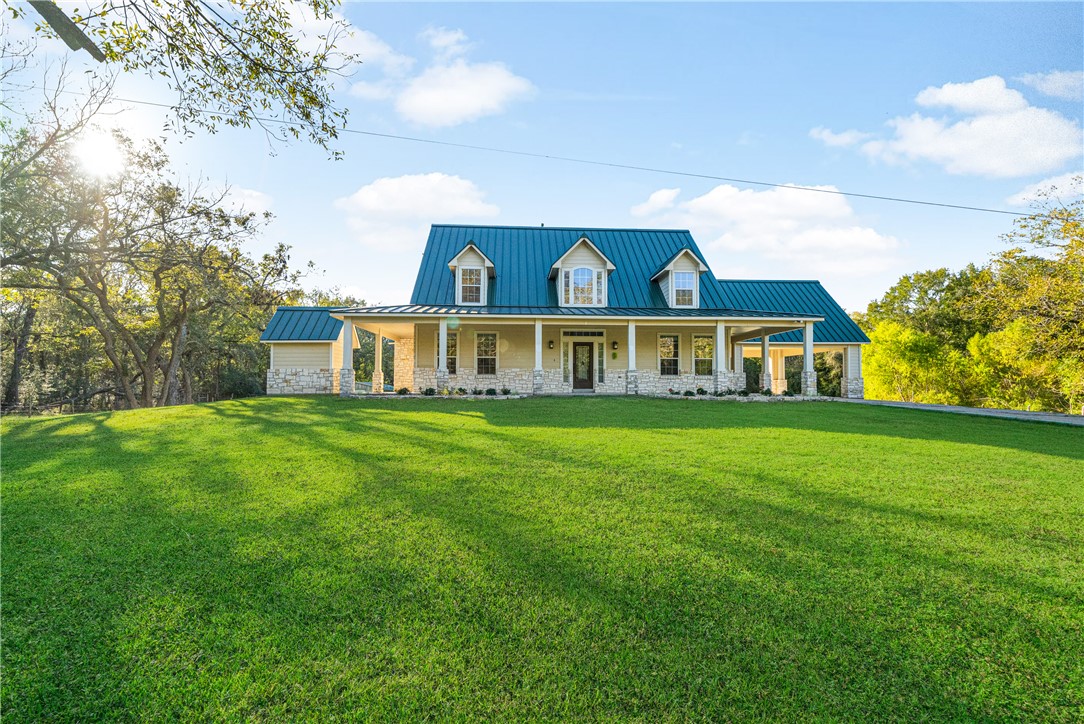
x,y
304,355
471,258
664,285
583,255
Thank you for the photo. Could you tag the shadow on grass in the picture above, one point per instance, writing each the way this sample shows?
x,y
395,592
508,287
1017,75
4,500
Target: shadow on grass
x,y
450,564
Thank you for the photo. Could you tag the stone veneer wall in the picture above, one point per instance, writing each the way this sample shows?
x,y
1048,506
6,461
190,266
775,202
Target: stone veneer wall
x,y
652,383
519,381
302,381
854,387
615,382
404,364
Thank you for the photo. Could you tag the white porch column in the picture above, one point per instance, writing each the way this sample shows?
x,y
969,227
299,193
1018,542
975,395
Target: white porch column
x,y
809,375
632,379
779,371
539,379
739,367
722,375
378,364
852,384
442,354
765,362
346,364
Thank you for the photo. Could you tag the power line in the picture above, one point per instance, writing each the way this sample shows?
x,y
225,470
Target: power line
x,y
604,164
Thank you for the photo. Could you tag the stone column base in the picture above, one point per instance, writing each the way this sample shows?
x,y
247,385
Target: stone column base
x,y
809,384
632,382
442,380
378,383
346,382
779,385
539,382
766,380
854,388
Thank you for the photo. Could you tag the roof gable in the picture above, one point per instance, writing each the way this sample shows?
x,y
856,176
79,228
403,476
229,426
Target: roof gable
x,y
798,297
668,265
466,251
523,256
582,241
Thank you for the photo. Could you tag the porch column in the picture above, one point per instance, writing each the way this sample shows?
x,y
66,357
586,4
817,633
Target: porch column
x,y
721,372
378,364
853,385
765,362
539,381
809,375
632,379
779,371
442,354
346,364
739,367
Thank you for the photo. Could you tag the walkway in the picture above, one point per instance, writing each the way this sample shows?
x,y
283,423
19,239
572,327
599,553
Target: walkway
x,y
1055,417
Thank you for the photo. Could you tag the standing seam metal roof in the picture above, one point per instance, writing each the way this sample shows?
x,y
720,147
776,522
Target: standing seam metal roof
x,y
302,324
796,297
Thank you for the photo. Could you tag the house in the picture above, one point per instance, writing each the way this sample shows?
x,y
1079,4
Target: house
x,y
569,310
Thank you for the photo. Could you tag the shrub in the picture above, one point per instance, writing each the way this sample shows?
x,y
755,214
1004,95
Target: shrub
x,y
402,391
767,392
672,391
689,393
444,392
476,391
429,392
788,393
460,390
701,391
235,383
743,393
720,393
730,391
505,391
491,392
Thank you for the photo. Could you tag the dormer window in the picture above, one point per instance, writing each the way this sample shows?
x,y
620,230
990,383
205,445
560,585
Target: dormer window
x,y
684,288
584,287
470,285
581,275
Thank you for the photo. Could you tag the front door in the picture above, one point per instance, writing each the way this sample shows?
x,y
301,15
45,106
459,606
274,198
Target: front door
x,y
583,365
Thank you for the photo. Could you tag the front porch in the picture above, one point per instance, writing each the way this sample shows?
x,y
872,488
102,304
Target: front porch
x,y
578,355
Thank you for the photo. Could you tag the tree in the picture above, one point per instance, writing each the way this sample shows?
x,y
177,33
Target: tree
x,y
235,62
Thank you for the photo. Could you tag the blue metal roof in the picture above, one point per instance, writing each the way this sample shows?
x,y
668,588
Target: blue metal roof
x,y
302,324
797,297
446,310
522,257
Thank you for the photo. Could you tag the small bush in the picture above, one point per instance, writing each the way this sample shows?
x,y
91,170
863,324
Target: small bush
x,y
505,391
402,391
429,392
743,393
767,392
701,391
444,392
491,392
720,393
689,393
788,393
476,391
672,391
460,390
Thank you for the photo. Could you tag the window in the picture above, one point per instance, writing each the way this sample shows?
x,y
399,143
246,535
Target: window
x,y
583,287
470,285
684,287
485,352
668,354
703,354
453,352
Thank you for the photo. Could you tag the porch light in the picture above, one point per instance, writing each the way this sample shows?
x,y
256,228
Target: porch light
x,y
551,344
615,345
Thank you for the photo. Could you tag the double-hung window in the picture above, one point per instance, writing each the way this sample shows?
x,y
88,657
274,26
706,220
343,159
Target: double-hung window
x,y
485,353
470,285
453,351
684,289
668,354
703,354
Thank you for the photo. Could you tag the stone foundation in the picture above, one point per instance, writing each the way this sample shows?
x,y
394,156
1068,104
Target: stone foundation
x,y
346,382
404,363
551,382
809,384
302,381
854,388
518,380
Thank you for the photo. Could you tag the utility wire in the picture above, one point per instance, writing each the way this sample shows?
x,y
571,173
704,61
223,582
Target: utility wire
x,y
604,164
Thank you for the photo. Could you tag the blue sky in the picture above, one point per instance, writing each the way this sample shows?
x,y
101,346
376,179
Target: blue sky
x,y
967,104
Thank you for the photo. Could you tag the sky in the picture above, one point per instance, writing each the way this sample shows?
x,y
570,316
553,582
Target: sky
x,y
970,104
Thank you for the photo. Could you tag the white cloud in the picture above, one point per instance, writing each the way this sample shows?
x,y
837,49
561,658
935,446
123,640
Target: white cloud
x,y
797,232
1000,136
447,95
656,202
845,138
986,95
397,210
1067,185
447,43
241,200
1065,84
370,49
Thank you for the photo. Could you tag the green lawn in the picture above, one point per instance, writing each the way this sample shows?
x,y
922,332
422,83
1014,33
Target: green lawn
x,y
306,558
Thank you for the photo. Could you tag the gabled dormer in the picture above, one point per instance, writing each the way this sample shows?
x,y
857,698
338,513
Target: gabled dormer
x,y
581,275
679,279
472,270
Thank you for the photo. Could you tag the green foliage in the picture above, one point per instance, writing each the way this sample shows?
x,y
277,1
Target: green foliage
x,y
588,559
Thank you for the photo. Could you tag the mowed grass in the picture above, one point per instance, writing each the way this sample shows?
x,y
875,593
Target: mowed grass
x,y
557,559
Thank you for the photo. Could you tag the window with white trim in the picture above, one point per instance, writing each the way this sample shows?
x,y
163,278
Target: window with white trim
x,y
583,287
684,289
485,353
668,355
703,354
470,285
453,352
